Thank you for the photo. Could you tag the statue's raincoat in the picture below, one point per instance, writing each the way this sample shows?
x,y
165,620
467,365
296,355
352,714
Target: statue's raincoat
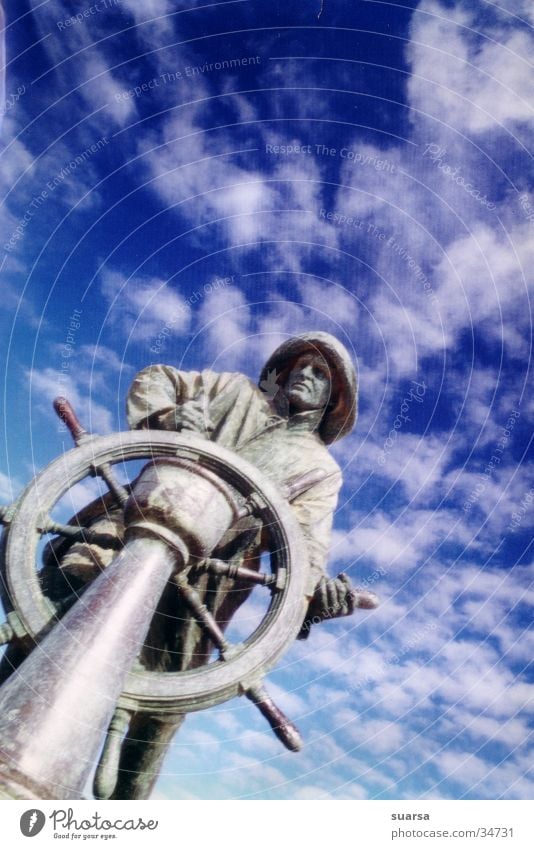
x,y
240,417
244,420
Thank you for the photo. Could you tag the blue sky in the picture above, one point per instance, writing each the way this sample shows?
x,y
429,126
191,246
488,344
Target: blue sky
x,y
145,160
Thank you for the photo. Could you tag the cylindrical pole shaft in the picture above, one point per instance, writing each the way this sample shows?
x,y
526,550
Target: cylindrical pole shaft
x,y
56,707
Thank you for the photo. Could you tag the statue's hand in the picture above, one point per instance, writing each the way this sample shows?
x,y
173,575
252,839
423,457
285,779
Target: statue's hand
x,y
191,415
332,598
335,597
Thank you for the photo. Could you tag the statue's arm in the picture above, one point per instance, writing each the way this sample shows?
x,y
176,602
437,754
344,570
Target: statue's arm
x,y
155,392
314,511
167,398
329,598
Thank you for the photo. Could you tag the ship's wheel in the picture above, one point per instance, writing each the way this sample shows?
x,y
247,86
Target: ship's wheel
x,y
240,666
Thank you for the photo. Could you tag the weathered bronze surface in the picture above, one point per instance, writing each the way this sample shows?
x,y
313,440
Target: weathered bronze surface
x,y
127,643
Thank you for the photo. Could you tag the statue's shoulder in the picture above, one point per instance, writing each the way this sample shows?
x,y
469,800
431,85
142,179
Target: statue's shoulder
x,y
328,462
155,371
220,388
229,380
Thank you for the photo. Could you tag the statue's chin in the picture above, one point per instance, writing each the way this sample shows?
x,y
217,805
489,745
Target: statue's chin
x,y
299,403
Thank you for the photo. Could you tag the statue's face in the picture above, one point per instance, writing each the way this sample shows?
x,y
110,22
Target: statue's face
x,y
308,383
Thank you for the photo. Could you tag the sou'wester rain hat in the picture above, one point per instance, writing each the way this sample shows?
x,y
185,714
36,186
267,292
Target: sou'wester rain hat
x,y
341,413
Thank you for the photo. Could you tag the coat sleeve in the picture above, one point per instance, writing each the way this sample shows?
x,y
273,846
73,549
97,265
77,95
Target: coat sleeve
x,y
156,390
160,389
315,512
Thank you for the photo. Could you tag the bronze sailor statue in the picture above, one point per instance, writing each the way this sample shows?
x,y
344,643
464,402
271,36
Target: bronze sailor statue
x,y
236,470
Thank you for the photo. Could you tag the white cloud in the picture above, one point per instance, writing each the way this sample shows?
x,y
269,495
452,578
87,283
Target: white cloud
x,y
83,66
48,383
291,703
153,19
478,84
279,204
442,686
188,166
38,189
225,327
101,90
103,361
410,330
16,158
475,83
89,379
511,732
238,333
143,308
466,768
419,463
403,541
484,279
380,735
332,302
9,489
312,791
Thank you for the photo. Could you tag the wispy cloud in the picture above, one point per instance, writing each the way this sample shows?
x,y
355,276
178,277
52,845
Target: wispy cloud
x,y
141,308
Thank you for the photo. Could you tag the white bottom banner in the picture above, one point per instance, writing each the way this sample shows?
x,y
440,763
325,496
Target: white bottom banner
x,y
271,824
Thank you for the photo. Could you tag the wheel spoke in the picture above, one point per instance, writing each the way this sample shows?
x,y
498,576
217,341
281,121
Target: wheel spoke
x,y
117,490
78,534
202,614
286,731
79,434
227,570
